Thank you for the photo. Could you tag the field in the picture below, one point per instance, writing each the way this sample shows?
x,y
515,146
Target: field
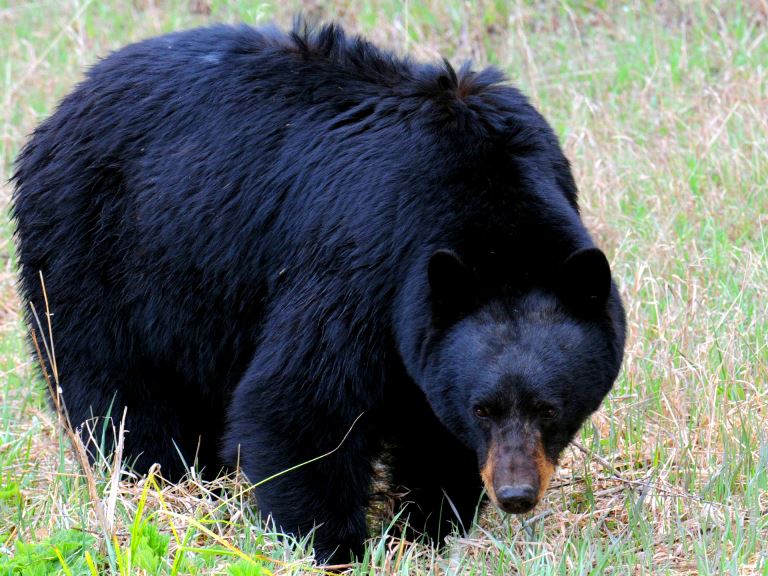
x,y
663,110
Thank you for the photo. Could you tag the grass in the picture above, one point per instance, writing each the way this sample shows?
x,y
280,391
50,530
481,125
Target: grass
x,y
663,110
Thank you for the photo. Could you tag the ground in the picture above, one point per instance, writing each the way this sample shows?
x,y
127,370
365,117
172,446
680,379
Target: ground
x,y
664,115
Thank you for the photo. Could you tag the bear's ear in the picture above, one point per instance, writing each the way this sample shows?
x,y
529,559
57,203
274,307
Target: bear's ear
x,y
584,280
450,280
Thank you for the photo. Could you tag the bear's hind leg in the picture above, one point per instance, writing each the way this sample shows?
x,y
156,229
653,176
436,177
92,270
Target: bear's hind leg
x,y
161,424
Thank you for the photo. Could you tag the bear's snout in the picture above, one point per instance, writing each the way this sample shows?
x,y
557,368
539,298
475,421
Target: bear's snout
x,y
517,471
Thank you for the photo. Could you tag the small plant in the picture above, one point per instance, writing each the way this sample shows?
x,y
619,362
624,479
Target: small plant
x,y
149,547
65,552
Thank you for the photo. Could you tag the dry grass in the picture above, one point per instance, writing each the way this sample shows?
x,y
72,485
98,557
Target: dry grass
x,y
663,110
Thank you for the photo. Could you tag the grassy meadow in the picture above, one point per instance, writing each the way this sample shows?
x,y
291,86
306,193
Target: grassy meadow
x,y
662,108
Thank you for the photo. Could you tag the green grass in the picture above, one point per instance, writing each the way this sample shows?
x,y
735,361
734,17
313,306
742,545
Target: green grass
x,y
663,110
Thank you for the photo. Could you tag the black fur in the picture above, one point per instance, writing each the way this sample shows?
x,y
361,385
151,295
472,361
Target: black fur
x,y
235,227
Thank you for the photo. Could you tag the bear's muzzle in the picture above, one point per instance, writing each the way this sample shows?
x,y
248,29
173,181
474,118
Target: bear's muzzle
x,y
516,472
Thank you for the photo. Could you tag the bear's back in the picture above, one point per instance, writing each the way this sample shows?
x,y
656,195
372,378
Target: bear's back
x,y
224,164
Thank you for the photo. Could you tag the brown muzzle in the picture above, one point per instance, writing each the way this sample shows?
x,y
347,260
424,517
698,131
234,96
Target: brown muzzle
x,y
517,471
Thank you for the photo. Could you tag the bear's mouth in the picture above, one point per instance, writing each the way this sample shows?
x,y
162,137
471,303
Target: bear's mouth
x,y
515,479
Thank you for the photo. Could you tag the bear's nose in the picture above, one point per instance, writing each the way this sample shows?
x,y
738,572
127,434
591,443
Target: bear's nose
x,y
516,499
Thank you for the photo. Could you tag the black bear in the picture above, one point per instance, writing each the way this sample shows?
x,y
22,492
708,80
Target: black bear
x,y
266,245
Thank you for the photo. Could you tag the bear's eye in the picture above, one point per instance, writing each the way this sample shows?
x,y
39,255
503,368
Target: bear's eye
x,y
548,414
481,411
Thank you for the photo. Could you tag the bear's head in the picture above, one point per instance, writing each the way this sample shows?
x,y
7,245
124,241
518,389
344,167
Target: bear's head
x,y
514,373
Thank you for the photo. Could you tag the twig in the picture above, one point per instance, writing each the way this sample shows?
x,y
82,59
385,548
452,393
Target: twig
x,y
650,485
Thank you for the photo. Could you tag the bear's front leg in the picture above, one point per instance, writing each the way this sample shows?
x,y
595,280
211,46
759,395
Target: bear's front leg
x,y
329,495
436,476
